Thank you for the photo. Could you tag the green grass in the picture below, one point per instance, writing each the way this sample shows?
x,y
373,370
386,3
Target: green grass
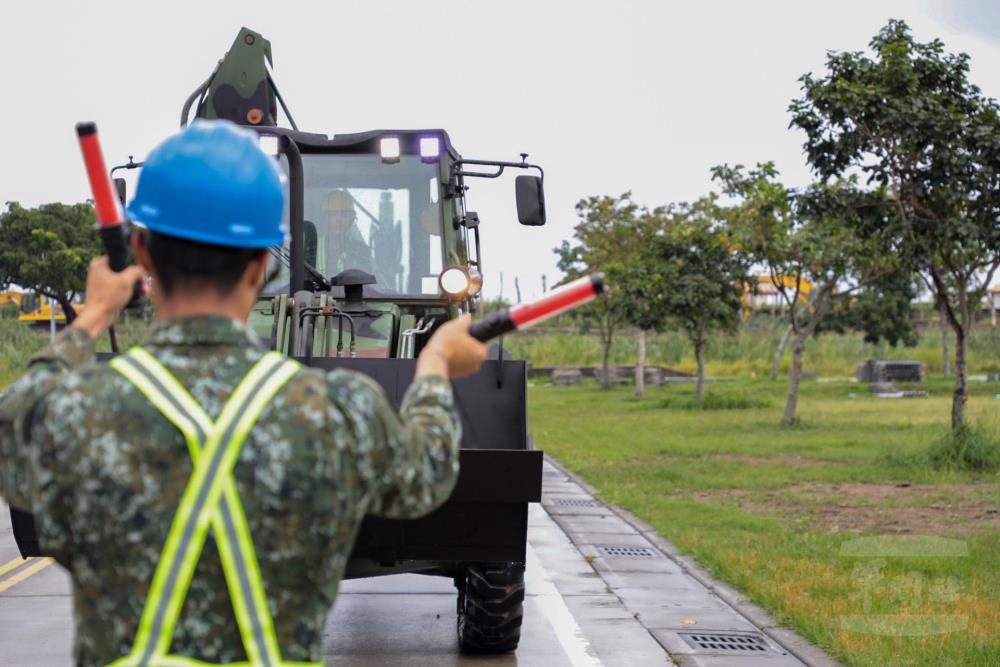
x,y
753,502
972,447
750,351
713,402
19,341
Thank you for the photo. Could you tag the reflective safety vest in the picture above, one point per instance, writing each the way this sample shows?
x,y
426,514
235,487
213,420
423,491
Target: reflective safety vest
x,y
210,500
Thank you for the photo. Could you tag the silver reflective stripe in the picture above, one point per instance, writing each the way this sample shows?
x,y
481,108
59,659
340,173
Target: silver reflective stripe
x,y
175,566
241,570
155,381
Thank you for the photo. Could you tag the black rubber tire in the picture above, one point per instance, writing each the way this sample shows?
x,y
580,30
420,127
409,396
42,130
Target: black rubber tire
x,y
490,607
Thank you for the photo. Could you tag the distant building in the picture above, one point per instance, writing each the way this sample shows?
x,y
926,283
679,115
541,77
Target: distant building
x,y
768,297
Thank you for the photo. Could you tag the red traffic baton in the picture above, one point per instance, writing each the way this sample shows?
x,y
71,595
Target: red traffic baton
x,y
556,302
109,216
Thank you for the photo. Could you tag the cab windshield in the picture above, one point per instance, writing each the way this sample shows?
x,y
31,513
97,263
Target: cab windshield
x,y
361,213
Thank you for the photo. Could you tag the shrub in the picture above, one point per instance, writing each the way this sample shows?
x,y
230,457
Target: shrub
x,y
972,448
714,402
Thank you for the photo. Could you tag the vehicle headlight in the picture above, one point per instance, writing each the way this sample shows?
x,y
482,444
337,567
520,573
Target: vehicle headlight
x,y
389,149
430,149
459,282
269,144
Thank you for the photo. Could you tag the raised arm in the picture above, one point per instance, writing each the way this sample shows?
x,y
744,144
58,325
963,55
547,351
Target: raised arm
x,y
411,458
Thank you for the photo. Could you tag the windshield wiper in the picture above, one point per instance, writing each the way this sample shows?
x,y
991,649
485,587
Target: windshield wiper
x,y
285,258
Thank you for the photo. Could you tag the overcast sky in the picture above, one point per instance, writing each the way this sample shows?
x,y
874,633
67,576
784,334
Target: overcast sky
x,y
607,96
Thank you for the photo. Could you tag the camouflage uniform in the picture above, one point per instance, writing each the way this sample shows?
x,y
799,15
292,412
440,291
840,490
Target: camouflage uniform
x,y
103,470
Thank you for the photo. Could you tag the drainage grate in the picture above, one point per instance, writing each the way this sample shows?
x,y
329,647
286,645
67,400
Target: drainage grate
x,y
629,552
575,502
729,642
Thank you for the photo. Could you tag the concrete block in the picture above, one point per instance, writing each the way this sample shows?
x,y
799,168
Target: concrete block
x,y
565,377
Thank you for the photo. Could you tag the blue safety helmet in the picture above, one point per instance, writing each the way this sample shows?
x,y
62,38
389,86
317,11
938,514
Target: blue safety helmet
x,y
212,183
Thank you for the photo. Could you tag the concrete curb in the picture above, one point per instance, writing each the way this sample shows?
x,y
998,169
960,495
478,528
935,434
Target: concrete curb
x,y
788,639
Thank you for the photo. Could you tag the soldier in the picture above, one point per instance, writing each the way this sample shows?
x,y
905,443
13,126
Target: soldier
x,y
203,493
344,247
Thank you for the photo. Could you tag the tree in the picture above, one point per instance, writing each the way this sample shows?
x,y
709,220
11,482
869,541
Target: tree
x,y
604,238
47,249
636,275
821,235
881,310
693,274
908,118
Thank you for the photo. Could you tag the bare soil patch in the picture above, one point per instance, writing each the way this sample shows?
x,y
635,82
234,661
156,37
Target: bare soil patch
x,y
936,509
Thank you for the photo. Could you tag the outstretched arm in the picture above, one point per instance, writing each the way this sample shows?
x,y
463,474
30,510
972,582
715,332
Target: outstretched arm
x,y
411,458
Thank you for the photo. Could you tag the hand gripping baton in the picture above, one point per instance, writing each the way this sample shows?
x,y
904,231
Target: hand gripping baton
x,y
109,215
567,297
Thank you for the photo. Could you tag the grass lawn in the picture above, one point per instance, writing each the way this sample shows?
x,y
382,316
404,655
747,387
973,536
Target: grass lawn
x,y
783,513
19,341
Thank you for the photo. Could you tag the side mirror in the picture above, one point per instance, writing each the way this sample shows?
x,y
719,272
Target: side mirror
x,y
530,200
120,188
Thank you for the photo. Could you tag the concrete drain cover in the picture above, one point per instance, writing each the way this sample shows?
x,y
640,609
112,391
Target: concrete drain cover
x,y
574,502
729,642
629,552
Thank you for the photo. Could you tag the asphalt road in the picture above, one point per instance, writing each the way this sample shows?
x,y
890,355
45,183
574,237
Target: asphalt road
x,y
601,590
400,620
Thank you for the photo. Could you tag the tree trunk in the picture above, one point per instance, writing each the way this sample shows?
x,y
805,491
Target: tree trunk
x,y
699,355
946,358
67,307
605,380
780,352
606,330
640,364
960,396
794,376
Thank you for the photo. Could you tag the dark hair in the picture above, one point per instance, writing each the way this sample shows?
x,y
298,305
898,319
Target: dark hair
x,y
190,264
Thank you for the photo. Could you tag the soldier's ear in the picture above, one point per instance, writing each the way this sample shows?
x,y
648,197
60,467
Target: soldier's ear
x,y
140,250
256,271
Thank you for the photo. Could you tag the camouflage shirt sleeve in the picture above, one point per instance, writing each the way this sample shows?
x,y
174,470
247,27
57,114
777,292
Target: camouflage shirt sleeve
x,y
409,458
22,407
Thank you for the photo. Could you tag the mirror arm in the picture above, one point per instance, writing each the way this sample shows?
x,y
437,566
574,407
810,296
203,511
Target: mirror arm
x,y
131,165
454,187
457,170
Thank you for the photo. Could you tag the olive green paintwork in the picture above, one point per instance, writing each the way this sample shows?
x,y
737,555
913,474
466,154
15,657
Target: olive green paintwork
x,y
244,69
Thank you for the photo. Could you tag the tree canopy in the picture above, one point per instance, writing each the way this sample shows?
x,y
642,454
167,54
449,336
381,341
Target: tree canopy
x,y
47,249
825,235
688,273
908,119
605,239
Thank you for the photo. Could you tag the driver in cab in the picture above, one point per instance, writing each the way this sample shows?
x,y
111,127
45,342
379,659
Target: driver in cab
x,y
342,246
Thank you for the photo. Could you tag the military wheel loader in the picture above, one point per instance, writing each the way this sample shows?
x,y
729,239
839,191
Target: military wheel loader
x,y
382,252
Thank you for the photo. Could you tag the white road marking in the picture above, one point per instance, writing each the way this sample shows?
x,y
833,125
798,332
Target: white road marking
x,y
548,599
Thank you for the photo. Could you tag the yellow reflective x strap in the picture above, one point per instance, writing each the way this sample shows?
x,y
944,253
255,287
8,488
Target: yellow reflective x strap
x,y
210,497
235,545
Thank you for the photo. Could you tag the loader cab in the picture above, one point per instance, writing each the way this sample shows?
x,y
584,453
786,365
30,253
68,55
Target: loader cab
x,y
379,233
380,241
374,202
